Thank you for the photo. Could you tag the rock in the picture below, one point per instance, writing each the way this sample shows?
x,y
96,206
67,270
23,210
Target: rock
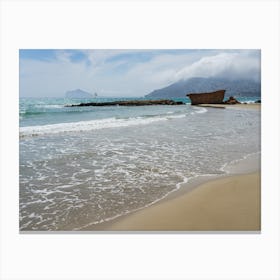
x,y
231,101
130,103
258,101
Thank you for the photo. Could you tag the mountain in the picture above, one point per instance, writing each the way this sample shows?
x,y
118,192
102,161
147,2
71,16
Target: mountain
x,y
196,85
78,93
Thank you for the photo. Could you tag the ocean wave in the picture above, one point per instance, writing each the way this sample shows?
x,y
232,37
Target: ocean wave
x,y
30,113
51,110
91,125
200,110
249,102
49,106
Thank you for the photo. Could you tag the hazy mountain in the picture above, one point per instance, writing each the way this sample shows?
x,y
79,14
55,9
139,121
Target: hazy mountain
x,y
78,93
195,85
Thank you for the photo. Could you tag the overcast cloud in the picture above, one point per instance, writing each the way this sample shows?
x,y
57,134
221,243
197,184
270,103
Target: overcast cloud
x,y
127,72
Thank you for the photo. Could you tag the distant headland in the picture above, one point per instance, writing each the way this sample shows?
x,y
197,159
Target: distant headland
x,y
78,93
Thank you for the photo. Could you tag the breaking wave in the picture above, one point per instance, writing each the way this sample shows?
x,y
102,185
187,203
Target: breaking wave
x,y
91,125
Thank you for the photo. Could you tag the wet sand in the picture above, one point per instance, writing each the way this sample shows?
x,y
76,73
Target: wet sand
x,y
254,106
226,204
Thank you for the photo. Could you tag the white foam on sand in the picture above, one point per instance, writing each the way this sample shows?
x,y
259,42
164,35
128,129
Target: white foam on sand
x,y
247,164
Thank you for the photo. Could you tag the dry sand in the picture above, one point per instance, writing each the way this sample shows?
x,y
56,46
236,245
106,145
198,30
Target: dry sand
x,y
229,203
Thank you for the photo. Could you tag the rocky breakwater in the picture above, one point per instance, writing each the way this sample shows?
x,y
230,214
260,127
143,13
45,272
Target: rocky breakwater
x,y
215,97
129,103
231,101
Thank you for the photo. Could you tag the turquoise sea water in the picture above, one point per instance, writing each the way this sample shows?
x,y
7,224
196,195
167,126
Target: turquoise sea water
x,y
80,166
42,111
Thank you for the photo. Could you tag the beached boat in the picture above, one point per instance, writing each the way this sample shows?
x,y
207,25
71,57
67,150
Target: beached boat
x,y
215,97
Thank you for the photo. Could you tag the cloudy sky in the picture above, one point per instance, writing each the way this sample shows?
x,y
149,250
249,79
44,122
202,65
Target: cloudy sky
x,y
50,73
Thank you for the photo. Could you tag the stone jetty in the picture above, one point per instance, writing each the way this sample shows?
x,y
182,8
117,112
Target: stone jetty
x,y
129,103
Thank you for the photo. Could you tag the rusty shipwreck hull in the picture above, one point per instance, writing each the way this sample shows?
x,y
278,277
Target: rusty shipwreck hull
x,y
215,97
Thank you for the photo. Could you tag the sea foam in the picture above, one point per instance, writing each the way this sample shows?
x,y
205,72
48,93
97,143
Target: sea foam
x,y
91,125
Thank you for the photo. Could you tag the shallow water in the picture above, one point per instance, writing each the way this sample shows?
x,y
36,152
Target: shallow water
x,y
87,170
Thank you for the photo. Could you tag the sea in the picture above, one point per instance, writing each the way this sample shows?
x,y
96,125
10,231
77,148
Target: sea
x,y
82,166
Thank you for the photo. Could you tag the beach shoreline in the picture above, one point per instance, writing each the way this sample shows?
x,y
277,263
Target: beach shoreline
x,y
245,171
250,106
229,203
233,200
203,167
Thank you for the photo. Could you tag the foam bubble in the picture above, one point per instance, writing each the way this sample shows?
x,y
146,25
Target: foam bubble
x,y
200,110
48,106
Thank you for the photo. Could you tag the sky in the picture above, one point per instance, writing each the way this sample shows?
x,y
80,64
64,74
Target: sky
x,y
127,73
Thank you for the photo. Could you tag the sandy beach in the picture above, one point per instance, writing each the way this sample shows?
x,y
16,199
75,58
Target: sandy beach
x,y
229,203
176,170
253,106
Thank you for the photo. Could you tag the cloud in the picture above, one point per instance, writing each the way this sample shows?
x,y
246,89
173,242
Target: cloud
x,y
129,72
238,65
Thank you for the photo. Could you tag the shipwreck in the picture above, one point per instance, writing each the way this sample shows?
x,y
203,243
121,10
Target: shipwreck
x,y
215,97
